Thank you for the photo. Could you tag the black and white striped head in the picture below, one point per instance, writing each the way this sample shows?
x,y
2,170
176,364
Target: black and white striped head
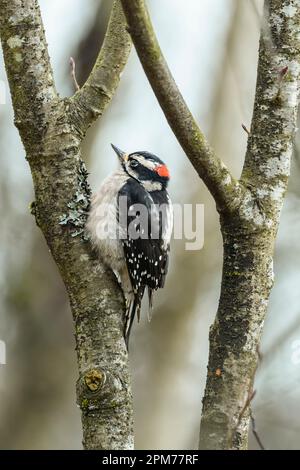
x,y
144,167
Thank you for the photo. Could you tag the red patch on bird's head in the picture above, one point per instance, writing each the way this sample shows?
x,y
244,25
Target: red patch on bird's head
x,y
163,171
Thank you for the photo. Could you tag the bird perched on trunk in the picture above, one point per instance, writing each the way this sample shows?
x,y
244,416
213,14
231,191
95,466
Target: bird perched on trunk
x,y
130,224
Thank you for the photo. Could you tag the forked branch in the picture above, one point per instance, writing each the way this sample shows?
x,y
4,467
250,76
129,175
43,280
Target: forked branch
x,y
91,100
224,188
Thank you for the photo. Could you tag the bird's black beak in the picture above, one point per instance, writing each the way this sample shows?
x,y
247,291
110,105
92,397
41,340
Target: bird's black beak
x,y
123,156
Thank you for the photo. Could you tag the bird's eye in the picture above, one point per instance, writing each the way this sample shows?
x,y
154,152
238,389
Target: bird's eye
x,y
133,164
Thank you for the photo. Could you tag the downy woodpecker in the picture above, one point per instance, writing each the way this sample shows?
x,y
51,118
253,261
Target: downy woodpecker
x,y
130,224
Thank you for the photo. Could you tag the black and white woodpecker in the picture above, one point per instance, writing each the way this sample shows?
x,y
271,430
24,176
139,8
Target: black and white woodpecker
x,y
130,224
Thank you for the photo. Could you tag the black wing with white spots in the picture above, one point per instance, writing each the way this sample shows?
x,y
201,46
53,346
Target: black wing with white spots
x,y
145,248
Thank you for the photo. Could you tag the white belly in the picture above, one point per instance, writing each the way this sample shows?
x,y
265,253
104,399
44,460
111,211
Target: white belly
x,y
102,222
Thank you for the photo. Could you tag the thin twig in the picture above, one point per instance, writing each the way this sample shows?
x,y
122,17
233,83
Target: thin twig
x,y
249,399
246,129
254,431
247,405
73,73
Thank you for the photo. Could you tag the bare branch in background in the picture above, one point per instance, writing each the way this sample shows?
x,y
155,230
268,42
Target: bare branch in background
x,y
88,47
91,100
248,408
255,432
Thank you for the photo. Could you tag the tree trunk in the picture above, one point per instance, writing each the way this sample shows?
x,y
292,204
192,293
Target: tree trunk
x,y
249,238
52,130
235,335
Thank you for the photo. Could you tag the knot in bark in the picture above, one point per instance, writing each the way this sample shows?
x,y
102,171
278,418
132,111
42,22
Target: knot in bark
x,y
95,379
98,389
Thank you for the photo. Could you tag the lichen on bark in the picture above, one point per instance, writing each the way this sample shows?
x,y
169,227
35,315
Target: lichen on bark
x,y
249,234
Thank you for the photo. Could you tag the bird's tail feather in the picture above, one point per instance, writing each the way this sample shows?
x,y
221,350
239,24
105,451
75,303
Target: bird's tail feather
x,y
150,305
133,308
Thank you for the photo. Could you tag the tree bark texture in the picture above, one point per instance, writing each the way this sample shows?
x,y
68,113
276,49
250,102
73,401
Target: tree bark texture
x,y
249,208
250,235
52,130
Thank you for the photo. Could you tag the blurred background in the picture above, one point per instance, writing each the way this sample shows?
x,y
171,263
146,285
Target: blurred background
x,y
211,47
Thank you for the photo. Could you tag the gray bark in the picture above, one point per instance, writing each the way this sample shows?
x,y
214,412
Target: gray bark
x,y
52,130
249,235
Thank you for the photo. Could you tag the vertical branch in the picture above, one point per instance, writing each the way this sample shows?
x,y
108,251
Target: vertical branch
x,y
270,143
250,235
28,66
52,131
